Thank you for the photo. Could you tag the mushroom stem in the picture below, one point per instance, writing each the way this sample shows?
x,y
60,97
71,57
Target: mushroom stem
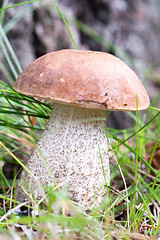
x,y
75,149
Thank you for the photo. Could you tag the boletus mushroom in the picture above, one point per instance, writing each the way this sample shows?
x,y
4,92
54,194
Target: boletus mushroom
x,y
73,149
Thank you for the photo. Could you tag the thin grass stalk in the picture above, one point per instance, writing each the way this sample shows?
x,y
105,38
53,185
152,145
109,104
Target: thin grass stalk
x,y
140,129
46,164
10,49
20,15
2,14
6,73
145,207
132,150
104,175
5,179
136,156
126,190
132,192
153,193
17,160
18,4
66,24
155,146
12,210
8,58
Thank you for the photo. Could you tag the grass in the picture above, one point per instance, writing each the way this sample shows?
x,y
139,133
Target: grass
x,y
131,212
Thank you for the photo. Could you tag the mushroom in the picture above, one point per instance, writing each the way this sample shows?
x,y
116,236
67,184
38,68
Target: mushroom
x,y
73,149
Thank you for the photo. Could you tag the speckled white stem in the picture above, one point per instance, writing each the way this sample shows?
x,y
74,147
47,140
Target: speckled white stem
x,y
75,148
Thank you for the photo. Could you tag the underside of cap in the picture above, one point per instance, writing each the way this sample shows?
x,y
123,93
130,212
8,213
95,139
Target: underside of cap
x,y
84,78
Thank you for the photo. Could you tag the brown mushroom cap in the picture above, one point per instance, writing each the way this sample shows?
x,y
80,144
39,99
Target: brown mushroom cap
x,y
83,78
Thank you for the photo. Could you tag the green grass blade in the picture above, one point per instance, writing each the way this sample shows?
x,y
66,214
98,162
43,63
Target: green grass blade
x,y
18,4
8,59
6,73
20,15
136,159
140,129
2,14
65,22
17,160
10,49
132,150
